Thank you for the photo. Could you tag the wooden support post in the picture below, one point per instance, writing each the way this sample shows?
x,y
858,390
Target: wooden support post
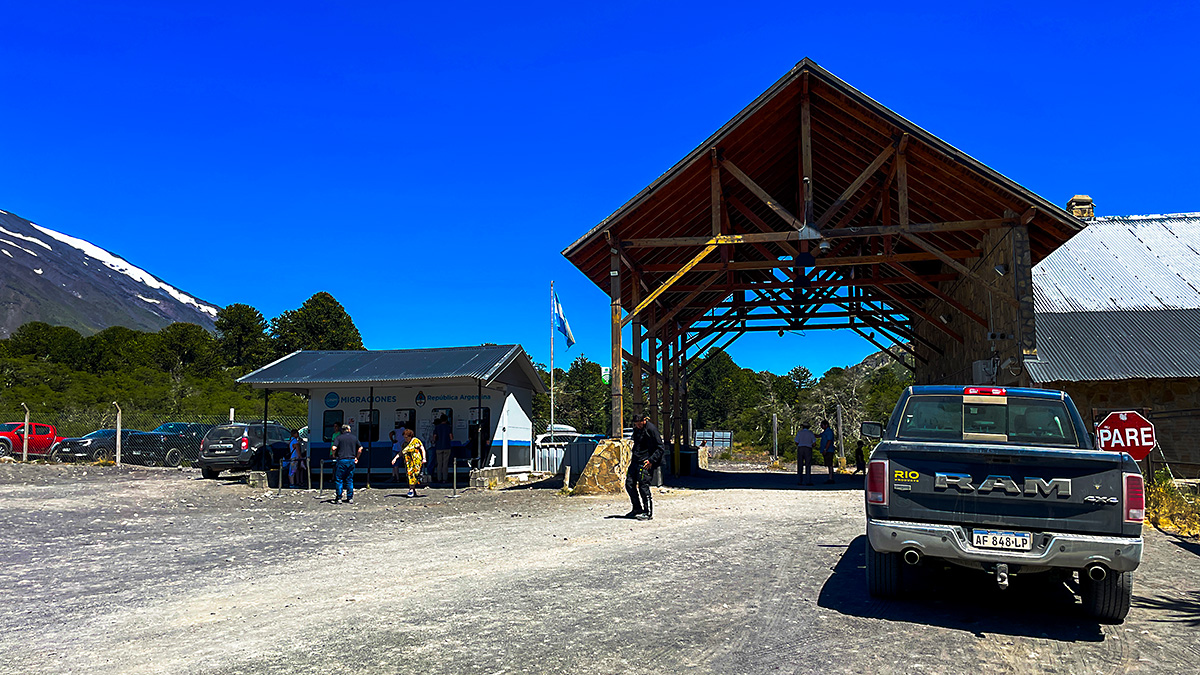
x,y
614,377
655,367
636,346
714,181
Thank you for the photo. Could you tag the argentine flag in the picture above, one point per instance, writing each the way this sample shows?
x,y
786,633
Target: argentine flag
x,y
560,322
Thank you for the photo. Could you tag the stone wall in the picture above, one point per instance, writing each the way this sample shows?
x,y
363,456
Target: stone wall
x,y
605,471
954,365
1174,407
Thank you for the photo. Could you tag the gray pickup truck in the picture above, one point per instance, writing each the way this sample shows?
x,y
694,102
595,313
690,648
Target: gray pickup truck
x,y
1007,481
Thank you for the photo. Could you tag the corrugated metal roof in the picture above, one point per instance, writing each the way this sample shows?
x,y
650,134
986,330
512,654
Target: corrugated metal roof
x,y
311,368
1120,300
1124,262
1119,345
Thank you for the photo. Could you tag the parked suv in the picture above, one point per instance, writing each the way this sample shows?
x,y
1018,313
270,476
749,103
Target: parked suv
x,y
168,444
100,445
240,445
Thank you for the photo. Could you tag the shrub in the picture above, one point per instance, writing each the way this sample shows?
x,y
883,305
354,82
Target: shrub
x,y
1170,509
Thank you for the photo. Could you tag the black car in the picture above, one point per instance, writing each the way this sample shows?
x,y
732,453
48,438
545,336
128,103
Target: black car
x,y
99,445
169,444
238,445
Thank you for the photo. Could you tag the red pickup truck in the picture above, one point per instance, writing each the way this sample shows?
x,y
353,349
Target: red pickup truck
x,y
42,437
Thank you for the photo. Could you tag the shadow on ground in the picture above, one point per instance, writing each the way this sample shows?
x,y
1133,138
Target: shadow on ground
x,y
956,598
1179,610
706,479
761,480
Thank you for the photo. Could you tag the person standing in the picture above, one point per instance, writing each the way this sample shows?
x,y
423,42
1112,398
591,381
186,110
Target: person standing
x,y
860,457
295,459
346,451
827,448
414,457
646,456
805,439
443,436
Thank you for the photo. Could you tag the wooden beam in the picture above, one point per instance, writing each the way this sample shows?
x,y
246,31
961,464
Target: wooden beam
x,y
804,231
714,180
704,355
758,222
885,350
693,263
835,283
949,226
858,183
684,303
751,238
923,314
806,160
947,258
820,262
902,182
916,279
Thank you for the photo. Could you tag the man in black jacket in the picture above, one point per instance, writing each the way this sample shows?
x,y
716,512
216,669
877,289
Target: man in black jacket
x,y
647,454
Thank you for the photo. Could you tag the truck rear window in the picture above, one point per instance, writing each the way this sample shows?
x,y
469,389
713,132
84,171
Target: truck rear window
x,y
1025,421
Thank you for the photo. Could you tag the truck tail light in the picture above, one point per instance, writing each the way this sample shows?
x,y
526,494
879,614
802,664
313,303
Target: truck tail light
x,y
201,445
245,443
877,472
985,391
1135,498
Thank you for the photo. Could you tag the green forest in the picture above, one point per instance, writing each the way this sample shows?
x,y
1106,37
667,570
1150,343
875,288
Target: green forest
x,y
182,369
724,396
185,370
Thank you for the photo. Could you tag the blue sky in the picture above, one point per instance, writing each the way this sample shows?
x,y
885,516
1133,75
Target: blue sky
x,y
426,165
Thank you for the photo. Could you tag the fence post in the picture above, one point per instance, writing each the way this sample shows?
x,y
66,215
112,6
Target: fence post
x,y
118,457
25,436
775,435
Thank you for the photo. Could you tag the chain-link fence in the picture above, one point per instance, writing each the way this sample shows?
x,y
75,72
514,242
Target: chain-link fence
x,y
147,438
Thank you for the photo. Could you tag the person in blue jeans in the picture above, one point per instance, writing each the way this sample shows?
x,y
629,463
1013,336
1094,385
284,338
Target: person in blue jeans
x,y
346,451
826,440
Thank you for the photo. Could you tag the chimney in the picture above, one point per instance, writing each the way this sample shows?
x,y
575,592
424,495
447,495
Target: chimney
x,y
1081,206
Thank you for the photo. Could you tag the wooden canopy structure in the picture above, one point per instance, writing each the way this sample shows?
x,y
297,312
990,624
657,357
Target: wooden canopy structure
x,y
818,208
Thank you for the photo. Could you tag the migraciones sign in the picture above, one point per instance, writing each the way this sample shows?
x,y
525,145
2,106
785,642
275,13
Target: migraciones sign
x,y
1126,432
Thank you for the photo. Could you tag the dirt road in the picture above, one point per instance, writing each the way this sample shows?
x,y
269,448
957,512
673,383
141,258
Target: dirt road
x,y
155,571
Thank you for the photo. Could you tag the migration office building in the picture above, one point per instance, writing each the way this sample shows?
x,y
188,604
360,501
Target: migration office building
x,y
484,392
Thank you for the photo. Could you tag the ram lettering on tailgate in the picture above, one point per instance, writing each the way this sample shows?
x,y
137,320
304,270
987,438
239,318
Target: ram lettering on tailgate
x,y
1032,487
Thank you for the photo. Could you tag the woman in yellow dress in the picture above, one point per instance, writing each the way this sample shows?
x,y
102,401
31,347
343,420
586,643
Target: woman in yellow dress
x,y
414,459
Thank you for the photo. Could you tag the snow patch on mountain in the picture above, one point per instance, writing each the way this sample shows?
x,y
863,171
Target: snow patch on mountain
x,y
120,265
16,245
149,300
26,237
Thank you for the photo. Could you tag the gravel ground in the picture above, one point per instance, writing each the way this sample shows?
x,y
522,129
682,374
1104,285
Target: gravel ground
x,y
154,571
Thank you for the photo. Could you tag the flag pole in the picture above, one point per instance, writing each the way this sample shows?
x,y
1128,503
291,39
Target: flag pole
x,y
553,319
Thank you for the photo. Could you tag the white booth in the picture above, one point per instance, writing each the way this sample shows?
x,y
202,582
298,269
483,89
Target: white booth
x,y
485,393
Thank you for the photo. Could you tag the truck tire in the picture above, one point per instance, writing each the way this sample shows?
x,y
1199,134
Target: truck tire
x,y
5,448
1108,600
883,573
104,455
210,474
173,458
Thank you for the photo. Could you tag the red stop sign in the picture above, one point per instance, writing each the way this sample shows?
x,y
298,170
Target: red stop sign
x,y
1126,432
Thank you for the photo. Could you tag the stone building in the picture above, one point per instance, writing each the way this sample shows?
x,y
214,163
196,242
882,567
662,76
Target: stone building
x,y
1118,323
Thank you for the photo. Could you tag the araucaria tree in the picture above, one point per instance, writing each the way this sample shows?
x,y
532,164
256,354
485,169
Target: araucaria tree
x,y
320,323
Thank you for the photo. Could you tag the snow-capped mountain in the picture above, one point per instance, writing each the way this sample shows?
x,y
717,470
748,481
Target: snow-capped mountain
x,y
65,281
